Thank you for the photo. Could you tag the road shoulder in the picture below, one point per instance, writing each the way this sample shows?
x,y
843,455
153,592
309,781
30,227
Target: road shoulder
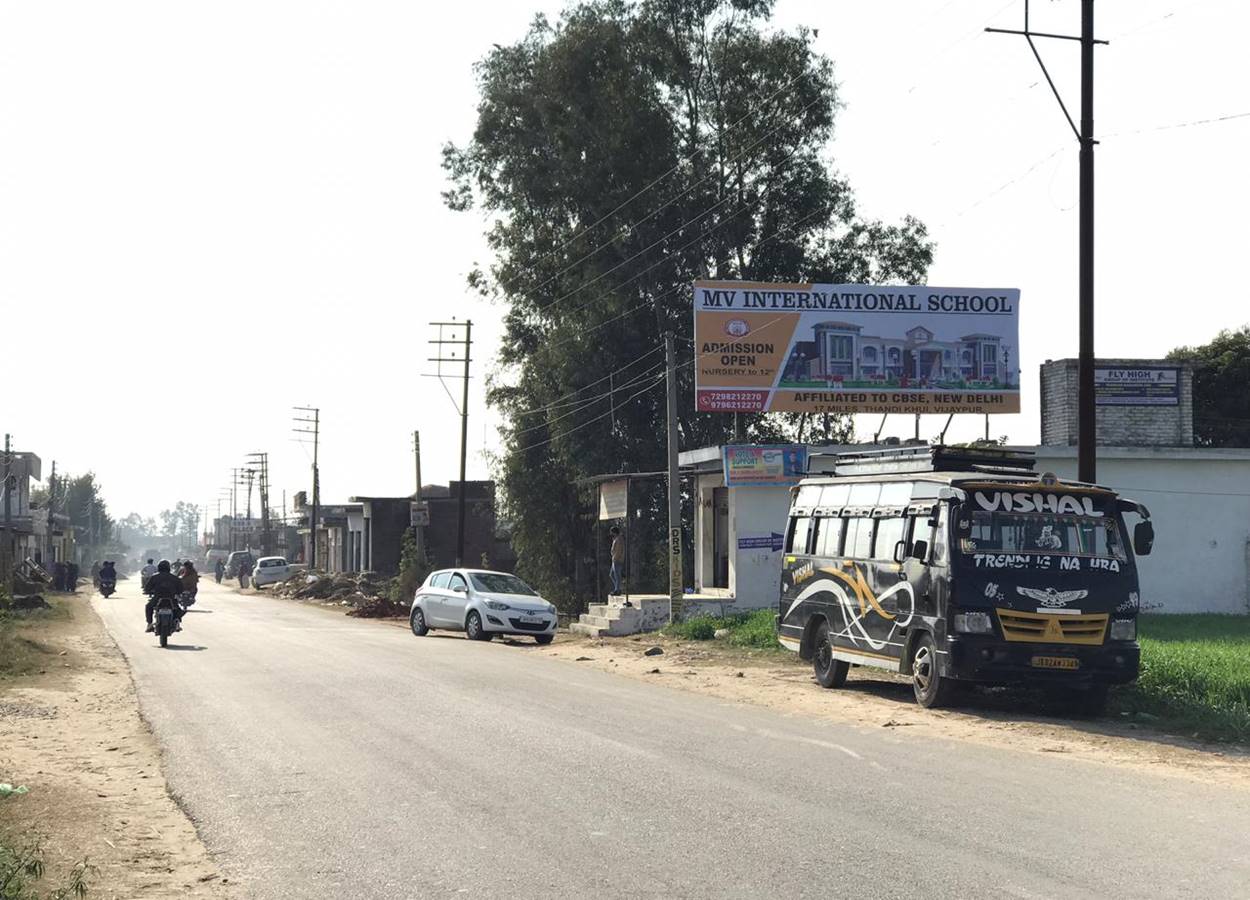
x,y
72,733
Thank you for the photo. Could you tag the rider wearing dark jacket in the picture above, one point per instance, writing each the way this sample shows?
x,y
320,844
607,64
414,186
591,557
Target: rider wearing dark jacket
x,y
108,574
163,585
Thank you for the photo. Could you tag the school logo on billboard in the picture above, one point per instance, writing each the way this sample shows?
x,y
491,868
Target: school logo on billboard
x,y
843,348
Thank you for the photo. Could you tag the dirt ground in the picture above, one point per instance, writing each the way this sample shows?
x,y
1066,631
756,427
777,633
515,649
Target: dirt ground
x,y
72,734
873,699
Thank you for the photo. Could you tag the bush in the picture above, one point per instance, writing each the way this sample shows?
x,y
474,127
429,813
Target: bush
x,y
22,865
414,566
753,629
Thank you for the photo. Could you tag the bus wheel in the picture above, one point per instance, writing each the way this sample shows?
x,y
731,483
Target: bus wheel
x,y
830,672
931,689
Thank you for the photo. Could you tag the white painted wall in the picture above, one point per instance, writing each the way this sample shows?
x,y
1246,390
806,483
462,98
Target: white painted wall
x,y
755,575
1199,501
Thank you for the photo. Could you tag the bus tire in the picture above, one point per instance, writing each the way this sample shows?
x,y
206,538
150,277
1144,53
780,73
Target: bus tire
x,y
830,672
931,688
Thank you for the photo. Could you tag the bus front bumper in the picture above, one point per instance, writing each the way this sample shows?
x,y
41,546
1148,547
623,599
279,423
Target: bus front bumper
x,y
990,659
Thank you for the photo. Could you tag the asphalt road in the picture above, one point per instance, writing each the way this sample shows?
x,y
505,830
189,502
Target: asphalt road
x,y
324,757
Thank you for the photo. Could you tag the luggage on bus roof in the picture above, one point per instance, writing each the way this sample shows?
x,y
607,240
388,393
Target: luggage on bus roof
x,y
938,458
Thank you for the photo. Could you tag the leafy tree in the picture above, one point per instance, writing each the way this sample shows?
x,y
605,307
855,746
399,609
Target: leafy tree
x,y
620,154
1221,388
183,519
79,498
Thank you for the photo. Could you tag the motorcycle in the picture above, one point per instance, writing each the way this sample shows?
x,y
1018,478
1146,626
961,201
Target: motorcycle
x,y
107,588
164,622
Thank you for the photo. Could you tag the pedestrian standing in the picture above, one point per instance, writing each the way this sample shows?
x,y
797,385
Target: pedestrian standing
x,y
618,558
71,578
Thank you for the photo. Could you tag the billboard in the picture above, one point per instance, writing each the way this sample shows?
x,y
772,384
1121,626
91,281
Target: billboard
x,y
851,348
765,464
1137,386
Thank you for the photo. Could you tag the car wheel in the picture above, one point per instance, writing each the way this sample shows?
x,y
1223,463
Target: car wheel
x,y
473,629
417,621
930,687
830,672
544,638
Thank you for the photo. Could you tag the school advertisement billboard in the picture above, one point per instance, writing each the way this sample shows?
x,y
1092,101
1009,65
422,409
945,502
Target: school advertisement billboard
x,y
764,464
854,348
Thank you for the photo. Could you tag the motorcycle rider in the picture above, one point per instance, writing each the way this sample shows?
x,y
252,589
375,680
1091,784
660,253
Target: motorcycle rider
x,y
145,573
164,585
190,579
108,574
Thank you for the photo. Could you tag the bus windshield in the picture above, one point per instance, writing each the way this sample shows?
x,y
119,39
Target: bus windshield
x,y
1043,534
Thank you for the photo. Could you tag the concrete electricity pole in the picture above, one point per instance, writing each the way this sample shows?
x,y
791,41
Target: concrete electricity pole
x,y
466,342
315,431
675,596
1087,423
6,552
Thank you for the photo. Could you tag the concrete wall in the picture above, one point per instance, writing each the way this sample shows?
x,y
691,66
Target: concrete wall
x,y
1117,426
755,575
1199,501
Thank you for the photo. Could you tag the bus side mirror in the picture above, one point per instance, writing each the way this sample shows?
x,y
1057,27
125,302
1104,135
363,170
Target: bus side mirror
x,y
920,550
900,551
1143,538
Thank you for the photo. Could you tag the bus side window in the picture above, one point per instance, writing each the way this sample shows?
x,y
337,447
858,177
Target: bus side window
x,y
829,537
798,535
937,546
858,543
890,531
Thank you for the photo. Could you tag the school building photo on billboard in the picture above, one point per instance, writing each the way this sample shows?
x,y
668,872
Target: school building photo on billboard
x,y
856,348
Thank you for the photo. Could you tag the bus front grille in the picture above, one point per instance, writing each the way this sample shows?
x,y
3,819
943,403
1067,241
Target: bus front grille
x,y
1058,628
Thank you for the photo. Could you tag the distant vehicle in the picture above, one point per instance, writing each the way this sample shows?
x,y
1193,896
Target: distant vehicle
x,y
962,564
270,570
236,559
211,557
481,604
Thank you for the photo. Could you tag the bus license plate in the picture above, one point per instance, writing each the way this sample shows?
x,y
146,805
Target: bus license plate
x,y
1056,662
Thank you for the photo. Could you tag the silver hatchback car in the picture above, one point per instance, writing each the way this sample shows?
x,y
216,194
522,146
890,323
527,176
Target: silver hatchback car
x,y
482,604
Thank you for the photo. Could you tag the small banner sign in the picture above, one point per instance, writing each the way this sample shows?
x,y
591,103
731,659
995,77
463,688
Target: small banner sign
x,y
614,499
764,464
1138,386
771,542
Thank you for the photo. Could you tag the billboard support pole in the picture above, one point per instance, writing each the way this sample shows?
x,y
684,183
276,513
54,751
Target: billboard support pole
x,y
880,428
674,487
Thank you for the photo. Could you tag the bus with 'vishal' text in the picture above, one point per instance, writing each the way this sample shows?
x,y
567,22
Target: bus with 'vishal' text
x,y
962,564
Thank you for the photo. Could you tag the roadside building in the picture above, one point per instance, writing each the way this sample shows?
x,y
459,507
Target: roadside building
x,y
17,518
486,540
1199,497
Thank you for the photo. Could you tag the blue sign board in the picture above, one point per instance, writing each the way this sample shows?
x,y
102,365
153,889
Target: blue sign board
x,y
771,542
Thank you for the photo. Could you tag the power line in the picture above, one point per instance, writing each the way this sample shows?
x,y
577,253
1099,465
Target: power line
x,y
1212,121
556,402
591,401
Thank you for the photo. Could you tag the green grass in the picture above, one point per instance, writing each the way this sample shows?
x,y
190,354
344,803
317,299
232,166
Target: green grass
x,y
1195,675
21,653
754,630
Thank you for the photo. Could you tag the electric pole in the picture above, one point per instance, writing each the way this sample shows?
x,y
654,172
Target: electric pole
x,y
315,431
465,342
674,487
262,461
418,529
1087,421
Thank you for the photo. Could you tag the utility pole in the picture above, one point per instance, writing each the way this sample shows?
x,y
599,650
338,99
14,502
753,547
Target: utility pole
x,y
1087,421
465,342
262,461
51,509
315,431
675,595
418,530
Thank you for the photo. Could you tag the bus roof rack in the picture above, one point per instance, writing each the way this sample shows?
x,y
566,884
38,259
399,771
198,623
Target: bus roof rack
x,y
934,458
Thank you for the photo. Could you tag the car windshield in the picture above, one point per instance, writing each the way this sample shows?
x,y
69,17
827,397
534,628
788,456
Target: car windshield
x,y
495,583
1001,532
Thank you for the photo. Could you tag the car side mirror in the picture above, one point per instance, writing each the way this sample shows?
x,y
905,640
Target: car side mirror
x,y
920,550
1143,538
460,589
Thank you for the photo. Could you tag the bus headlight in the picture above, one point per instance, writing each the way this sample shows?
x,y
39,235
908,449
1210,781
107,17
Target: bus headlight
x,y
1123,629
974,623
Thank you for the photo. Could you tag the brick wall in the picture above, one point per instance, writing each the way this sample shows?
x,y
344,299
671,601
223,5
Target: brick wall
x,y
1118,426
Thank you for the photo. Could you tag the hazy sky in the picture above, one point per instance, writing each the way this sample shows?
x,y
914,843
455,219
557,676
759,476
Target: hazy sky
x,y
211,212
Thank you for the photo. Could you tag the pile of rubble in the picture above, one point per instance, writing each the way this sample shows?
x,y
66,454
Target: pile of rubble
x,y
363,592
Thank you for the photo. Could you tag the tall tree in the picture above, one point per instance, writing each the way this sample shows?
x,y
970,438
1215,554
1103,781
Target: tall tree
x,y
1221,388
622,153
79,498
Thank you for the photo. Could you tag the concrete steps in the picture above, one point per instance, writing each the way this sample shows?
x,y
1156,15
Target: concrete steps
x,y
614,619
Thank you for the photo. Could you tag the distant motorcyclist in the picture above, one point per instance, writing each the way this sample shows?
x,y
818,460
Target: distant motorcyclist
x,y
190,579
164,585
108,574
145,573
